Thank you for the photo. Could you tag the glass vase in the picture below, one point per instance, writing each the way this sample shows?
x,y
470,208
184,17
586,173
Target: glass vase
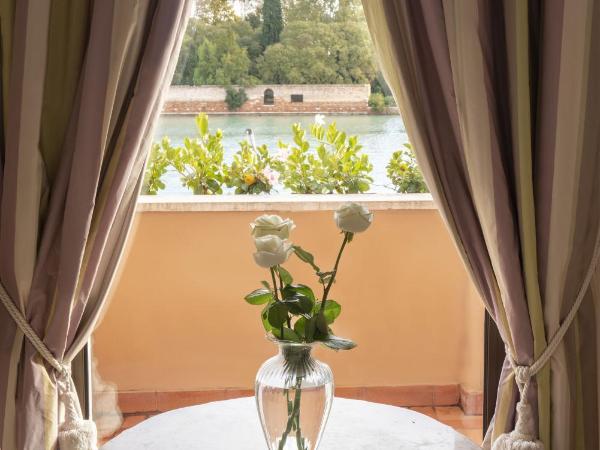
x,y
294,393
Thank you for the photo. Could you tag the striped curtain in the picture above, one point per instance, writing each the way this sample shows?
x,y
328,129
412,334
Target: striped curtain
x,y
501,100
81,83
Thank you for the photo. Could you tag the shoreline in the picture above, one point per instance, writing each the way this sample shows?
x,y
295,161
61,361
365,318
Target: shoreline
x,y
390,112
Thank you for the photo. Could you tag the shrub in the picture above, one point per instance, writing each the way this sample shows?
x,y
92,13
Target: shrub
x,y
377,102
334,166
250,171
404,172
235,98
199,161
389,100
155,169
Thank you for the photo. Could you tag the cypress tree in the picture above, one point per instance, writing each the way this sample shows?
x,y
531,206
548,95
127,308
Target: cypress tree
x,y
272,22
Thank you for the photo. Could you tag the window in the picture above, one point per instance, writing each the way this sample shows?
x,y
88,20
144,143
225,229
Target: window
x,y
269,97
196,240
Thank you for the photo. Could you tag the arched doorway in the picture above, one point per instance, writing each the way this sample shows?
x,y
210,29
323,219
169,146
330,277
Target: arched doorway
x,y
269,97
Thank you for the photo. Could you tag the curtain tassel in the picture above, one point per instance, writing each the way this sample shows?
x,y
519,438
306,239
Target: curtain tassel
x,y
75,433
522,437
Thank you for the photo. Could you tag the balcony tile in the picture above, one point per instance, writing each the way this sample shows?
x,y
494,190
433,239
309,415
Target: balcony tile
x,y
426,410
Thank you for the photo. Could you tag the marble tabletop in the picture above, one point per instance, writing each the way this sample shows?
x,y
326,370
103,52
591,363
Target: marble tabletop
x,y
233,425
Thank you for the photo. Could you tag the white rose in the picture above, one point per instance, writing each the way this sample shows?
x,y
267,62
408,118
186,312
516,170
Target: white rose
x,y
353,218
271,251
272,225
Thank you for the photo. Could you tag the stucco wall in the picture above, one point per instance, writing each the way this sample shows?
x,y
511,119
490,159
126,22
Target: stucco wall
x,y
330,98
311,92
177,319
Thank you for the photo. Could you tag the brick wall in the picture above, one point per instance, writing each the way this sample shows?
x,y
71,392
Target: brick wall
x,y
316,98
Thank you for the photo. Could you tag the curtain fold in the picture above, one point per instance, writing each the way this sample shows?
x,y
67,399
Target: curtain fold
x,y
500,100
82,83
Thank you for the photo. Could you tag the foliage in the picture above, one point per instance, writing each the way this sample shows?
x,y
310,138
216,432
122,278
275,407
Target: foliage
x,y
221,60
272,22
389,100
323,10
334,166
377,102
235,98
292,311
319,42
404,172
250,171
199,161
318,53
215,11
155,169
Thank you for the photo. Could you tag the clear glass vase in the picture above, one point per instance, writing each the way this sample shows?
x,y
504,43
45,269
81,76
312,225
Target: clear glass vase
x,y
294,393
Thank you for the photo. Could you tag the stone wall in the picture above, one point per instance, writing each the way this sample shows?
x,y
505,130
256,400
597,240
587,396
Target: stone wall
x,y
334,98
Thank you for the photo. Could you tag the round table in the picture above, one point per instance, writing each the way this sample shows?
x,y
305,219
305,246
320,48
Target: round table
x,y
234,425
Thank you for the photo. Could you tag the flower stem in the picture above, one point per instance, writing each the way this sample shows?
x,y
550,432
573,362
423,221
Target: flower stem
x,y
289,324
334,271
275,294
294,418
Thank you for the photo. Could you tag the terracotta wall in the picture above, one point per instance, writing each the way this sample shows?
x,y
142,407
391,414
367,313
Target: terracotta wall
x,y
178,322
280,106
329,98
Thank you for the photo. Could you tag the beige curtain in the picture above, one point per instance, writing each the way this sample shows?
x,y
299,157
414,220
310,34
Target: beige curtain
x,y
501,100
81,88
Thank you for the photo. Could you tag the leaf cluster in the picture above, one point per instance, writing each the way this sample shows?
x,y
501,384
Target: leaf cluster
x,y
293,313
199,161
248,173
235,98
334,165
404,173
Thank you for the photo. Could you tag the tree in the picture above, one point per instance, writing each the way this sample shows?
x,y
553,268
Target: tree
x,y
272,22
319,53
221,60
215,11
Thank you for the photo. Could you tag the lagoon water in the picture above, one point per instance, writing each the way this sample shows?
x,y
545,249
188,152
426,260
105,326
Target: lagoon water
x,y
380,136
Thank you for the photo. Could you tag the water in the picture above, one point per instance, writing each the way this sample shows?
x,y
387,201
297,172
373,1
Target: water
x,y
380,136
275,403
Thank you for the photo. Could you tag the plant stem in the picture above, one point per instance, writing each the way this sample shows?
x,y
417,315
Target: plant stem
x,y
275,294
294,417
274,284
289,324
335,269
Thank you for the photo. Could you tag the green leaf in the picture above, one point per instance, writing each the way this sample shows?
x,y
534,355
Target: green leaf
x,y
266,284
285,276
307,257
299,304
338,343
332,310
265,319
321,323
306,328
300,326
288,334
292,289
259,297
277,314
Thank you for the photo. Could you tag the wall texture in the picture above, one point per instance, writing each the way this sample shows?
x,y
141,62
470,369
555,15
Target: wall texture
x,y
344,98
178,322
